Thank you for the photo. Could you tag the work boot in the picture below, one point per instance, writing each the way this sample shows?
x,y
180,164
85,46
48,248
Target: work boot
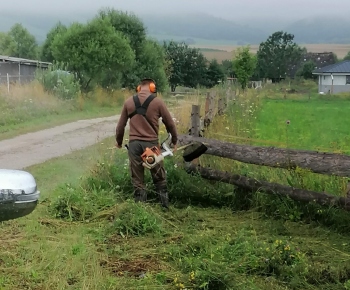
x,y
164,198
140,195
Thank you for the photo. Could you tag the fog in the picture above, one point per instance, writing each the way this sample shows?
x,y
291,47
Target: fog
x,y
229,9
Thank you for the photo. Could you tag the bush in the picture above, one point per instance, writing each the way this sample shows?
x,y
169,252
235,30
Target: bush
x,y
59,82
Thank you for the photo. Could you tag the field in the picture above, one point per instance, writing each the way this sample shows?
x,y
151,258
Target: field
x,y
225,51
87,233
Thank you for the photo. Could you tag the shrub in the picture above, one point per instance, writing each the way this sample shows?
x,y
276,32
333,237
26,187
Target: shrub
x,y
59,82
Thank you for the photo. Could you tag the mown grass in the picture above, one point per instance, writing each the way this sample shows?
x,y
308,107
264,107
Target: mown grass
x,y
29,108
87,232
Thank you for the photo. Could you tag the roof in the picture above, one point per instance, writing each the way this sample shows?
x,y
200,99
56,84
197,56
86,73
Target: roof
x,y
4,58
340,67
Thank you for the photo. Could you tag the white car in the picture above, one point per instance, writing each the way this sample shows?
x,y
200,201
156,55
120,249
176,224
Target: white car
x,y
18,194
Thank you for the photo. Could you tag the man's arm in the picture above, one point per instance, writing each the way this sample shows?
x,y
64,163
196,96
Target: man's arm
x,y
120,128
168,122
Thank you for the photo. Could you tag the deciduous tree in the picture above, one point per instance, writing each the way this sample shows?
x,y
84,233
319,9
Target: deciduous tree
x,y
244,64
18,42
187,66
46,51
92,51
277,54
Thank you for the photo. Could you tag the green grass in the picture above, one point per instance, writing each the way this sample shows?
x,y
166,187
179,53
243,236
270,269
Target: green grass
x,y
314,125
87,233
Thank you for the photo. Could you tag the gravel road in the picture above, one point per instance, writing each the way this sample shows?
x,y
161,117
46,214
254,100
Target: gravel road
x,y
37,147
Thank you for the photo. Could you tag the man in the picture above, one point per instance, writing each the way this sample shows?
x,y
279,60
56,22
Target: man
x,y
144,130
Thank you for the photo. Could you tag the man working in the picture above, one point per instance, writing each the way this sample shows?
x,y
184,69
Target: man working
x,y
144,111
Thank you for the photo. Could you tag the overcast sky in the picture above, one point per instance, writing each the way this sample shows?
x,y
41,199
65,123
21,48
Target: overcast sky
x,y
229,9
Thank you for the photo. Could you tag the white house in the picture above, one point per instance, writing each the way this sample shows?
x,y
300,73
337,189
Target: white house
x,y
334,78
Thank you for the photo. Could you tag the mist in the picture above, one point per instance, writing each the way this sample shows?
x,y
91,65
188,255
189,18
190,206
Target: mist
x,y
275,10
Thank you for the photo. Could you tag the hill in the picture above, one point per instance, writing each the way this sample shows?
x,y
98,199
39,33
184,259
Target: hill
x,y
321,29
196,28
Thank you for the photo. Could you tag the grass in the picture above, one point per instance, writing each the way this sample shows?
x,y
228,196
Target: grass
x,y
87,233
29,108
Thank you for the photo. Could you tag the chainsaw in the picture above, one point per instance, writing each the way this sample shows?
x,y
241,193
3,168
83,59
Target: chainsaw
x,y
154,155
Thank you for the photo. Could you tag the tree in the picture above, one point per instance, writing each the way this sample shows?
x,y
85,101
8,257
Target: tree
x,y
152,64
93,51
18,42
214,74
187,66
244,64
46,51
347,57
149,57
7,44
129,25
227,67
306,70
277,54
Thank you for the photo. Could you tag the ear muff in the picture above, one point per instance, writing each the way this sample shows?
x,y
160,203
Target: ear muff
x,y
152,87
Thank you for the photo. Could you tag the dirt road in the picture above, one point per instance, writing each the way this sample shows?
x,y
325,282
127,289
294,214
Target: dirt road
x,y
34,148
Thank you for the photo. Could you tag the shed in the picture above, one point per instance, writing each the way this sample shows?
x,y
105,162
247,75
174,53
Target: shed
x,y
14,69
334,78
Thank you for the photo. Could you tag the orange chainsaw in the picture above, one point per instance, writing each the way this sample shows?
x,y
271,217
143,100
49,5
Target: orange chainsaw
x,y
154,155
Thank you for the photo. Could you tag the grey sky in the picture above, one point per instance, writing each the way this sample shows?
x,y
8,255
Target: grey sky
x,y
229,9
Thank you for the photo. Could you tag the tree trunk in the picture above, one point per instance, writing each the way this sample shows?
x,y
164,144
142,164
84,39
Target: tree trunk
x,y
271,188
322,163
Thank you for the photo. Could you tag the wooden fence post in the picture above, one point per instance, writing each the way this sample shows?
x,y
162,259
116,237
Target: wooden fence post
x,y
195,121
221,106
209,109
195,125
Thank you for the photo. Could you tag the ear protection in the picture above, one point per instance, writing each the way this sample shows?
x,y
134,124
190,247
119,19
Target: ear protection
x,y
152,86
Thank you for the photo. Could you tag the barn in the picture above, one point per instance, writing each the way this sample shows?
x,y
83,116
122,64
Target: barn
x,y
21,70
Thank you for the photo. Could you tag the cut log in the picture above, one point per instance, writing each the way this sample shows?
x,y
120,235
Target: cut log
x,y
271,188
317,162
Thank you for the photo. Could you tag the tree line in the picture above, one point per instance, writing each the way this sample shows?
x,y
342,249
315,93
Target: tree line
x,y
112,50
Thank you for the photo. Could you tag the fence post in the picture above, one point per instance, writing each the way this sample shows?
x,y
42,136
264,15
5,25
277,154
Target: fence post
x,y
8,83
209,108
195,126
195,121
221,105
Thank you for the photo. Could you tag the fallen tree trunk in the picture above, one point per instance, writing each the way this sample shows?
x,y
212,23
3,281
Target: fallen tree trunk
x,y
323,163
271,188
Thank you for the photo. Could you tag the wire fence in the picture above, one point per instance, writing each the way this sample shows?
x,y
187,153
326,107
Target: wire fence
x,y
10,79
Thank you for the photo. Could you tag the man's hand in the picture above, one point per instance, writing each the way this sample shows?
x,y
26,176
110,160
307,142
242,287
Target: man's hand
x,y
118,146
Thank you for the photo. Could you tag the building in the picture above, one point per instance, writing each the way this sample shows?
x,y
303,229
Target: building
x,y
13,69
334,78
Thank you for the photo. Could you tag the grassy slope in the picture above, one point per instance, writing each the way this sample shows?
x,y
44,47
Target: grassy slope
x,y
29,108
188,246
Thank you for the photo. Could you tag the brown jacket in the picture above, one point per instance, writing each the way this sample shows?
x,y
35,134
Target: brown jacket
x,y
140,129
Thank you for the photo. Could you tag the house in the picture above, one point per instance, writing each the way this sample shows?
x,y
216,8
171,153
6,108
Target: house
x,y
334,78
14,69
